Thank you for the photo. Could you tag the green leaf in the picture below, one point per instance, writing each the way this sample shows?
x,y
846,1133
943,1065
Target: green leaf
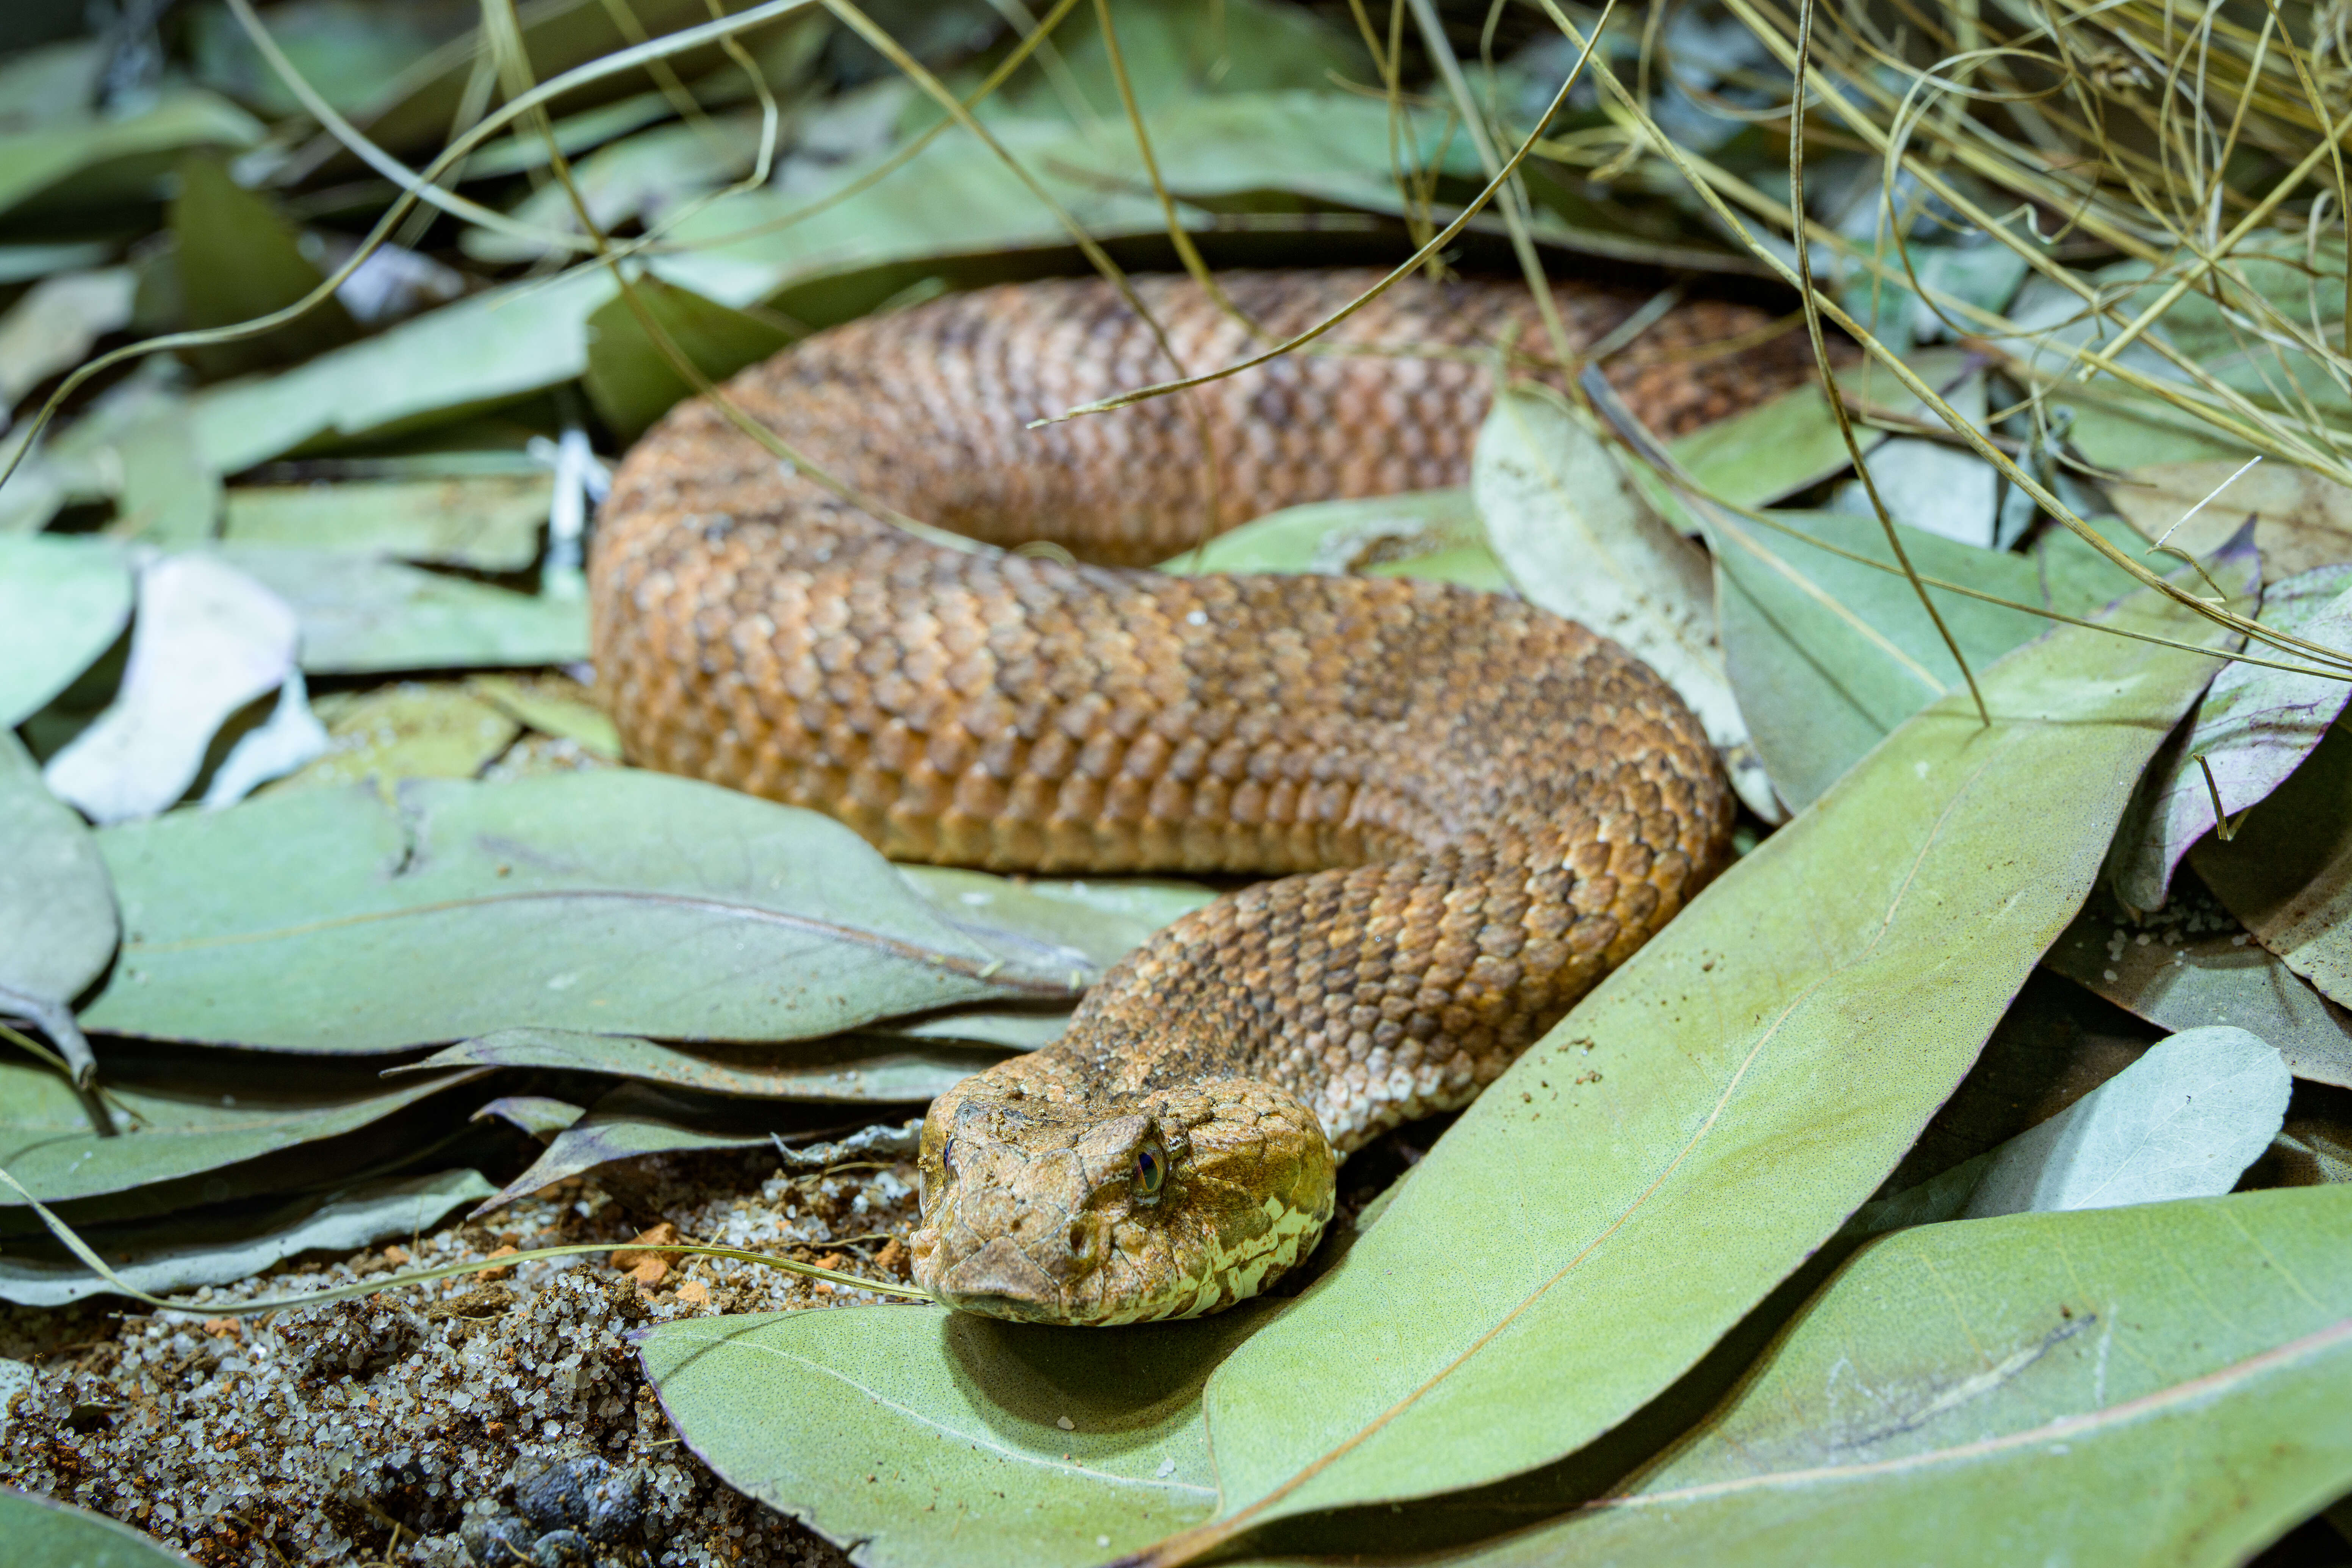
x,y
850,1071
1432,535
200,1248
554,705
238,262
1579,539
488,348
170,494
542,1116
2253,726
2120,428
344,51
327,921
43,1532
1174,52
2039,1388
1045,918
633,383
53,326
2300,521
2193,964
62,604
488,522
362,615
83,161
1792,442
58,928
1731,1095
406,731
411,111
173,1129
1014,1029
2288,872
949,1438
629,183
209,641
636,1119
2183,1122
1828,655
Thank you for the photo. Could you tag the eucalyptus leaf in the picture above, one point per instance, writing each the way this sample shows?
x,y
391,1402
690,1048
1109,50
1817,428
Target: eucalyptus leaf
x,y
2287,871
58,927
54,326
493,346
2032,1389
209,640
540,1115
630,378
237,261
168,494
173,1129
554,705
932,1437
346,52
2251,729
1028,916
1732,1093
2194,964
1828,654
2183,1122
1251,47
361,614
631,181
636,1119
1432,535
330,921
849,1070
2300,521
288,739
1935,487
200,1248
43,1532
1579,539
407,732
1016,1029
82,161
63,602
1792,442
24,263
488,522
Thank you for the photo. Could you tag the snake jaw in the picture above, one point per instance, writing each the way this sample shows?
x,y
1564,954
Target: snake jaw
x,y
1058,1208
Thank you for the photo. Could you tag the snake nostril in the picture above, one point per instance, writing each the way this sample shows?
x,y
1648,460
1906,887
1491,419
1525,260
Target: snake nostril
x,y
1082,1239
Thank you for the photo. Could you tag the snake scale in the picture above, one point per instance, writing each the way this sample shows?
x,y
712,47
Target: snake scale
x,y
1472,808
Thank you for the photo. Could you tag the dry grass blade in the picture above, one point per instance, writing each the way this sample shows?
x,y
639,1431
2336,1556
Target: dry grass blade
x,y
1829,377
1887,356
1404,270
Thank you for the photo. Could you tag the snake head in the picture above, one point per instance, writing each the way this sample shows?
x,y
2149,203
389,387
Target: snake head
x,y
1046,1207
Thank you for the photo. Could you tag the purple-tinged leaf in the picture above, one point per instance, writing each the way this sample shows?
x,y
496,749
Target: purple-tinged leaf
x,y
2255,725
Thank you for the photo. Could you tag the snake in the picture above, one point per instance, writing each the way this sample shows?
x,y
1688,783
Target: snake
x,y
1461,811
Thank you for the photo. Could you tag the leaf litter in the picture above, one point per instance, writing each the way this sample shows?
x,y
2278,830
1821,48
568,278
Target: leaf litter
x,y
437,547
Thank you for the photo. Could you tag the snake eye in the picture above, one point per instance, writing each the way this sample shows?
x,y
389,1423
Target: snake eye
x,y
947,1157
1150,1170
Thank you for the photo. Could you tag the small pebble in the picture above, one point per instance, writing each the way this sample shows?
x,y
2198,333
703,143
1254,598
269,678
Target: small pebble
x,y
564,1549
498,1538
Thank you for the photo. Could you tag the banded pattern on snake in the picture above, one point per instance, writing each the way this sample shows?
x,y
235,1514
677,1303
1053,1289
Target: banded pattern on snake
x,y
1477,808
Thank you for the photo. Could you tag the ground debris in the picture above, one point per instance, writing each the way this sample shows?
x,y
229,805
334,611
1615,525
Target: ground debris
x,y
449,1424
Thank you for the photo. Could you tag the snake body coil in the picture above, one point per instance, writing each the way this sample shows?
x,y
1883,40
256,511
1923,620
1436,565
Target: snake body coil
x,y
1481,808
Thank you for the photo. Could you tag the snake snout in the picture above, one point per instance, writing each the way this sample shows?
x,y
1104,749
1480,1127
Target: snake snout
x,y
1001,1281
